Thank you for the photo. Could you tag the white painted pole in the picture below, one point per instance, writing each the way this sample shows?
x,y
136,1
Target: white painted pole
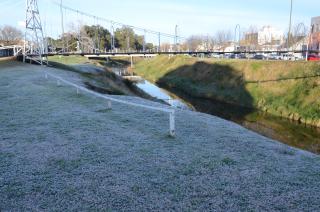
x,y
172,124
109,105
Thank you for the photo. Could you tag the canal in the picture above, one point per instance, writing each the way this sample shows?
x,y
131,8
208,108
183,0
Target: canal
x,y
277,128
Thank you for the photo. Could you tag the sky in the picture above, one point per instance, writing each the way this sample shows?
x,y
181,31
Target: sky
x,y
194,17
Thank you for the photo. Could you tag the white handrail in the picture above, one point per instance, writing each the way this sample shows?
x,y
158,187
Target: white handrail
x,y
170,111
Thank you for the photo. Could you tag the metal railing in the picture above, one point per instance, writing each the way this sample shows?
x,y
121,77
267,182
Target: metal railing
x,y
110,99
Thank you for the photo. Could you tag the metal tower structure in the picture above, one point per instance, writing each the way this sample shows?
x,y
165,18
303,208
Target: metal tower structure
x,y
35,46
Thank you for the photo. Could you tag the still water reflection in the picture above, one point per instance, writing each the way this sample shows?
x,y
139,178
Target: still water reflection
x,y
284,130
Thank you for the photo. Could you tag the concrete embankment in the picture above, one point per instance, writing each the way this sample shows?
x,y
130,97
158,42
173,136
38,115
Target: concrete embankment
x,y
282,88
64,151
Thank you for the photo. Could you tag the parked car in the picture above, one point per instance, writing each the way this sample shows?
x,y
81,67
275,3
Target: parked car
x,y
288,57
218,56
243,56
274,56
313,57
259,57
234,56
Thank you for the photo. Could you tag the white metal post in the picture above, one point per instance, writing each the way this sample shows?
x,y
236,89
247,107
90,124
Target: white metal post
x,y
109,105
172,124
309,42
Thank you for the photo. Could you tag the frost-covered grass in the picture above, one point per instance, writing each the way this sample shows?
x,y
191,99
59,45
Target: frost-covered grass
x,y
60,151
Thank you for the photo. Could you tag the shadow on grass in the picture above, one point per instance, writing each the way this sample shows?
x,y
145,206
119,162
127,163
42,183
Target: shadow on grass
x,y
211,88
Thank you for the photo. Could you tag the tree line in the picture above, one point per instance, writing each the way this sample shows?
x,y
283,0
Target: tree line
x,y
96,38
10,36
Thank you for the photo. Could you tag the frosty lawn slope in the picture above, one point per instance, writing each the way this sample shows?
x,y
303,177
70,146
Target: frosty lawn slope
x,y
61,151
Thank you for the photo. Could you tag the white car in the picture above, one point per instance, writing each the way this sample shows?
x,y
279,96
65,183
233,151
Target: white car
x,y
274,56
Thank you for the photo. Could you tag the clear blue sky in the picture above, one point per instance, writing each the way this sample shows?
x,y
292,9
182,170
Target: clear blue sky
x,y
192,16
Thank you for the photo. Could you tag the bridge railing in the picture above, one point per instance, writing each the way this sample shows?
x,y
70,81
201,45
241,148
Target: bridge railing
x,y
110,99
124,53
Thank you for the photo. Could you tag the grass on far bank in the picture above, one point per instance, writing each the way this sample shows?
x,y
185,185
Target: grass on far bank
x,y
69,60
282,88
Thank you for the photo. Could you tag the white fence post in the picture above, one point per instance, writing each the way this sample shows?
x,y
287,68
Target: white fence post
x,y
109,105
172,124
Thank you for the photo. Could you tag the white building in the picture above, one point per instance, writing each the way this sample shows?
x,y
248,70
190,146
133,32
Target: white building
x,y
269,35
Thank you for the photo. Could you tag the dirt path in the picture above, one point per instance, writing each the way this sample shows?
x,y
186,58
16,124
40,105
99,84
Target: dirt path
x,y
63,151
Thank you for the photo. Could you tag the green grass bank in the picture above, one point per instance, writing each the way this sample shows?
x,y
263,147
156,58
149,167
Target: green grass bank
x,y
97,75
282,88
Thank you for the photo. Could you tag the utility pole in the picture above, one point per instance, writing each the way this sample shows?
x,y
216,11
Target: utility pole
x,y
34,35
62,26
159,45
290,23
128,43
235,36
144,41
112,37
176,37
207,43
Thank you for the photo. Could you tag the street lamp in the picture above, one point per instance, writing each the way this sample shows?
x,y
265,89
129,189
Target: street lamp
x,y
62,26
235,35
290,22
176,37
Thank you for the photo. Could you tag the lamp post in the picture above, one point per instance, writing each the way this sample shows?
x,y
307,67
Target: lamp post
x,y
159,40
176,38
235,36
290,22
62,26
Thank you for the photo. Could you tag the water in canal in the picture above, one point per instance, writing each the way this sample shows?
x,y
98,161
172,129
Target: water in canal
x,y
281,129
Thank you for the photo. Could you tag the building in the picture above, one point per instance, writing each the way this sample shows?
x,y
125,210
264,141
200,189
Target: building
x,y
6,52
269,35
251,38
267,38
9,51
315,34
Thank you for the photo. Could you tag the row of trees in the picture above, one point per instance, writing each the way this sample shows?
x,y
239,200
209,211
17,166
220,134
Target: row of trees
x,y
96,38
10,35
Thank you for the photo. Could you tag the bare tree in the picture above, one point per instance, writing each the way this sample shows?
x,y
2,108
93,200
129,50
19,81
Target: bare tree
x,y
195,42
251,37
299,33
10,35
223,37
